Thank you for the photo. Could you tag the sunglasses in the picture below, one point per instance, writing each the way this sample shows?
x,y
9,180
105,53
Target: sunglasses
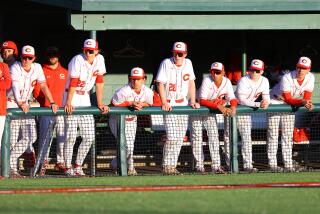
x,y
89,51
178,54
28,57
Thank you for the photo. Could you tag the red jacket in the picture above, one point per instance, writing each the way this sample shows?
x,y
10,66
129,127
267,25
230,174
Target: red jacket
x,y
5,84
56,80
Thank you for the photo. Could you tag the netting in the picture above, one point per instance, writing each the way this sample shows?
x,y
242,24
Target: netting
x,y
79,145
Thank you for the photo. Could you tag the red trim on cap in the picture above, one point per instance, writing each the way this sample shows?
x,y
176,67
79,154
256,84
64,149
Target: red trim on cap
x,y
303,66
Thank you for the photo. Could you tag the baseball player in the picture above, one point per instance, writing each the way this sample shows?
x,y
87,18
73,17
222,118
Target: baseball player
x,y
56,78
136,95
294,89
175,80
5,84
9,52
253,91
25,75
215,92
85,71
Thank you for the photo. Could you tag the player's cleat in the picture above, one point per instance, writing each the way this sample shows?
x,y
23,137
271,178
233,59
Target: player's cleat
x,y
78,170
15,175
250,170
219,170
132,172
290,169
43,168
200,169
276,169
59,167
170,170
69,172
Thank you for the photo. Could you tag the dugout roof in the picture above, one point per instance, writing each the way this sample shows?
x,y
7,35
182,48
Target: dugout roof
x,y
190,14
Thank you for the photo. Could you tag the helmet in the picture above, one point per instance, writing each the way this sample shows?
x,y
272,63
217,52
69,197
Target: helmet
x,y
10,45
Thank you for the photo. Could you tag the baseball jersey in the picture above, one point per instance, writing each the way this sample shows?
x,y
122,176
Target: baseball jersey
x,y
175,78
23,83
248,91
5,84
126,93
290,84
87,73
210,91
56,80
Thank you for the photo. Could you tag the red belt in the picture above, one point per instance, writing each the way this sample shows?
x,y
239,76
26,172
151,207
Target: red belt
x,y
129,118
177,101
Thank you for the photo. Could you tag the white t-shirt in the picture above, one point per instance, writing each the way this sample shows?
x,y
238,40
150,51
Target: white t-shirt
x,y
210,91
175,79
290,84
126,93
248,90
87,74
23,83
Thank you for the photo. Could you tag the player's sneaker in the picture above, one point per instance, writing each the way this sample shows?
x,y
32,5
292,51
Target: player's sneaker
x,y
219,170
132,172
250,170
43,168
276,169
15,175
78,170
69,172
59,167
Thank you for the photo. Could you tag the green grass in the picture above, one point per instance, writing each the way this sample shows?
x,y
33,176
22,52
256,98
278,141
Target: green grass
x,y
266,200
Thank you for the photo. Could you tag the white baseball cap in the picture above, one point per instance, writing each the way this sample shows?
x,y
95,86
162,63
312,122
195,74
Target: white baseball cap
x,y
90,44
137,73
304,62
257,64
180,47
217,66
27,51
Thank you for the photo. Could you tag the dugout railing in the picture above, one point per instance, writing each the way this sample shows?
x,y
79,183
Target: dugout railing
x,y
303,119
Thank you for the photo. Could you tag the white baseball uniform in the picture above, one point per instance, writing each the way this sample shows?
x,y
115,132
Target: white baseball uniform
x,y
247,92
87,74
209,91
126,93
176,82
290,84
23,129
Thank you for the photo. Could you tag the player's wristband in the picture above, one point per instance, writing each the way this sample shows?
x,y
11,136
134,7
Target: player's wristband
x,y
52,103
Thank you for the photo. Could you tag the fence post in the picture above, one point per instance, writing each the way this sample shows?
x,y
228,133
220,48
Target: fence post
x,y
93,158
122,150
234,144
5,149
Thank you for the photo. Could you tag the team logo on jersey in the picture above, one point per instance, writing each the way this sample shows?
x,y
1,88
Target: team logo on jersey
x,y
186,77
222,96
34,82
81,83
62,76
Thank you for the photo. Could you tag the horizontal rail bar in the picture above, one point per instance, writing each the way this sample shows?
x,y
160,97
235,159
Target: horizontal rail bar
x,y
38,111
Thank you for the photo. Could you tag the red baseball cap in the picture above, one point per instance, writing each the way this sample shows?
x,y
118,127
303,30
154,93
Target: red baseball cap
x,y
137,73
257,64
28,51
304,63
179,47
90,44
10,45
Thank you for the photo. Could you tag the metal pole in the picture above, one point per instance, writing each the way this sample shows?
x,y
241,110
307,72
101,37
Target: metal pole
x,y
234,144
5,156
122,150
244,54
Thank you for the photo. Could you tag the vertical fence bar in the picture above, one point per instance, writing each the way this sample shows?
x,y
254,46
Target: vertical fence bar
x,y
122,151
5,156
93,158
233,144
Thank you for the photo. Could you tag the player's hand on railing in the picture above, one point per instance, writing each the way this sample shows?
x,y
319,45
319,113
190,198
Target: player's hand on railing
x,y
264,104
166,107
54,108
309,105
103,108
24,107
195,105
137,105
68,108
